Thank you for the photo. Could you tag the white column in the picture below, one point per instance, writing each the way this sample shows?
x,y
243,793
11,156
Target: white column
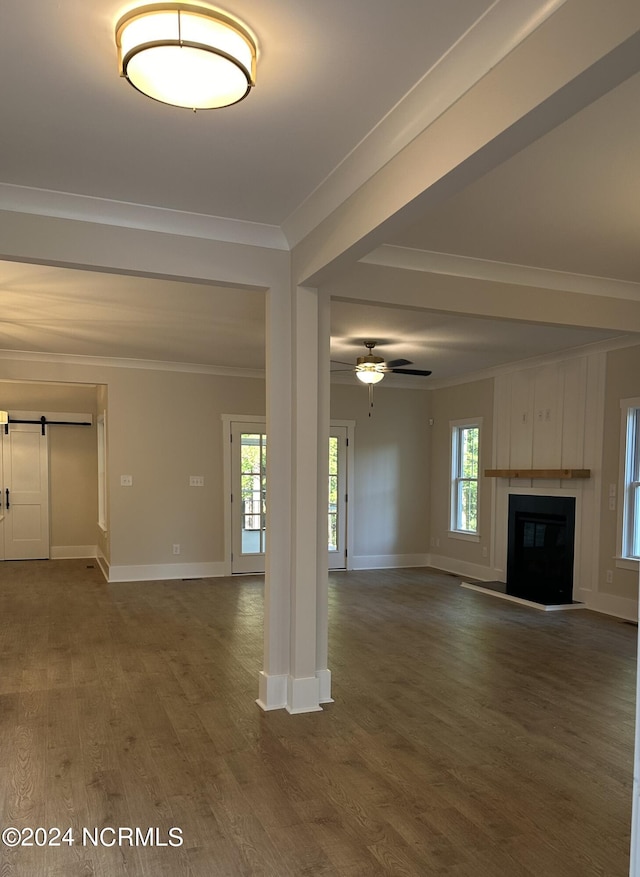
x,y
303,684
634,864
277,594
322,593
295,674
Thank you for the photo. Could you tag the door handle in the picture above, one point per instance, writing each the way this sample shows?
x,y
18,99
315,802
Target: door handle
x,y
7,493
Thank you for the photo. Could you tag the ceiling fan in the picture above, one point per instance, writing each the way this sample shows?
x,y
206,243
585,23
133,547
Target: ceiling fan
x,y
371,369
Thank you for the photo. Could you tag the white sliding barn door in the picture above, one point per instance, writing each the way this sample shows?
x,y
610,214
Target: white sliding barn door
x,y
25,492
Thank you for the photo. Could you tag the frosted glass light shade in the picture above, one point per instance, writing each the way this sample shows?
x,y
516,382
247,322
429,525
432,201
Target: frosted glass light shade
x,y
186,56
368,373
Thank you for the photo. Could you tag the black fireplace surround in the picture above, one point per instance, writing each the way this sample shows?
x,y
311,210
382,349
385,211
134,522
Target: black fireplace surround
x,y
540,548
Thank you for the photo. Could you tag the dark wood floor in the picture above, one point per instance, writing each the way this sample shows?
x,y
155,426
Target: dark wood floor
x,y
469,736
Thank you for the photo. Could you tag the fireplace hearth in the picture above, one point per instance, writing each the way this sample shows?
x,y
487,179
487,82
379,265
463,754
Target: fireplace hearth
x,y
540,548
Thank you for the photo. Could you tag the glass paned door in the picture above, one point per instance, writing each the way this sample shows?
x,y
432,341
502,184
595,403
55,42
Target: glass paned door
x,y
248,497
337,512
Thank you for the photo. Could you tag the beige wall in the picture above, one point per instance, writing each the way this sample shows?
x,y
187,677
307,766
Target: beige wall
x,y
73,484
622,382
473,400
164,427
391,478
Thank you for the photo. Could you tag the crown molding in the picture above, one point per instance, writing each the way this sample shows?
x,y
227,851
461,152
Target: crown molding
x,y
597,347
500,272
86,208
490,39
145,364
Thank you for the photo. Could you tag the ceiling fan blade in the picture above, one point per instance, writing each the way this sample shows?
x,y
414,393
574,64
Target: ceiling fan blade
x,y
410,371
396,363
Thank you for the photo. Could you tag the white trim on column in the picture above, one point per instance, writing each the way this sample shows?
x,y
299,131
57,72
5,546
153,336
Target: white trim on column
x,y
324,680
272,692
634,865
303,695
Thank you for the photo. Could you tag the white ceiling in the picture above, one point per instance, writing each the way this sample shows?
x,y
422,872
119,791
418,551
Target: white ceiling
x,y
328,76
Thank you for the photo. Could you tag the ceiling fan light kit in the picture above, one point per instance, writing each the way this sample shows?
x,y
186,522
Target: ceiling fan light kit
x,y
371,369
186,55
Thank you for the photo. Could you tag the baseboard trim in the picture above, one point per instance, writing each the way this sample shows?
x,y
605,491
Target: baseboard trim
x,y
463,568
73,552
388,561
609,604
165,571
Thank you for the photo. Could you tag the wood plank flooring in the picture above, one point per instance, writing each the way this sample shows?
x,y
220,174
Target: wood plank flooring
x,y
469,737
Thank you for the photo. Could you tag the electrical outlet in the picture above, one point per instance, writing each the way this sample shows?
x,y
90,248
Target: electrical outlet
x,y
609,577
612,503
126,480
196,480
176,549
485,551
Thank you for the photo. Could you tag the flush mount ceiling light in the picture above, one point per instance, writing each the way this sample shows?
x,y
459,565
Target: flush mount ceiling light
x,y
186,55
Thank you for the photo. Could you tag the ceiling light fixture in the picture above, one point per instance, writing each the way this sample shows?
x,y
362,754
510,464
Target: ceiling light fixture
x,y
370,369
369,372
186,55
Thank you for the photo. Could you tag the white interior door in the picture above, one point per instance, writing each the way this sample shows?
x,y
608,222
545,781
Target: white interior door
x,y
25,492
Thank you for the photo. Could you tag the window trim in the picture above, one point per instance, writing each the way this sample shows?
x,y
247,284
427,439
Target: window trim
x,y
101,440
455,426
629,450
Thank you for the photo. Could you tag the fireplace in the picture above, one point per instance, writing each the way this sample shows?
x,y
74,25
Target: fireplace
x,y
540,548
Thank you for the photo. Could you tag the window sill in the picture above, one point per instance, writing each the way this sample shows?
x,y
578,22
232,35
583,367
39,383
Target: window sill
x,y
463,535
627,563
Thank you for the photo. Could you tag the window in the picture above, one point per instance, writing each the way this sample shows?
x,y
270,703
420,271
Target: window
x,y
631,499
465,447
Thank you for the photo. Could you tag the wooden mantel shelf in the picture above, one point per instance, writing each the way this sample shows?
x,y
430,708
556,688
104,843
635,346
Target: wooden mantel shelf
x,y
562,474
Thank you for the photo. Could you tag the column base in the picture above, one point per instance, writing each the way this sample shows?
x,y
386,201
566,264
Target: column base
x,y
303,695
324,678
272,692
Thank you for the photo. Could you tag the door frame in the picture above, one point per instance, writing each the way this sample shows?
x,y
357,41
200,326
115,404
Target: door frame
x,y
227,420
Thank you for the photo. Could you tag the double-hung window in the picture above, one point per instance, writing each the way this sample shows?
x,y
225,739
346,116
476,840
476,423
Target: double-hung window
x,y
465,464
631,499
